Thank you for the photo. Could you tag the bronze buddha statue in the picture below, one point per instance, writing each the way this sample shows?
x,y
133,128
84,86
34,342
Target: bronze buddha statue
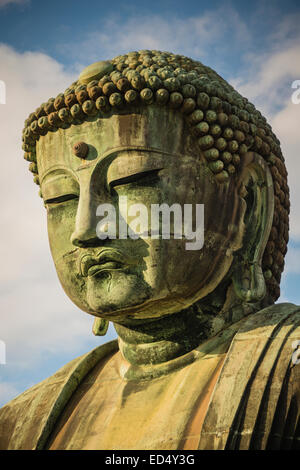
x,y
204,355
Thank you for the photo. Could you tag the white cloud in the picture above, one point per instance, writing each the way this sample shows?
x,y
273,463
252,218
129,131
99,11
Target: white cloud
x,y
268,82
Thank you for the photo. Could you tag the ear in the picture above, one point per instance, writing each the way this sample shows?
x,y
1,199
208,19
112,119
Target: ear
x,y
256,188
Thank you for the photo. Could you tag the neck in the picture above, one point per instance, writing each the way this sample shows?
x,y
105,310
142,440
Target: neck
x,y
161,340
155,343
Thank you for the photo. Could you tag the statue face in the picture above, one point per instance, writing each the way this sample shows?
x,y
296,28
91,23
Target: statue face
x,y
147,156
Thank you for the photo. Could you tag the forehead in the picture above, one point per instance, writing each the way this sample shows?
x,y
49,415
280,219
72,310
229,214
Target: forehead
x,y
151,128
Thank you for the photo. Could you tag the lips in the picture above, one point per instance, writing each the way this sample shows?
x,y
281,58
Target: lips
x,y
106,259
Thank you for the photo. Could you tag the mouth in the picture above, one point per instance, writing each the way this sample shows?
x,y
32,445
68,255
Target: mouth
x,y
106,260
98,268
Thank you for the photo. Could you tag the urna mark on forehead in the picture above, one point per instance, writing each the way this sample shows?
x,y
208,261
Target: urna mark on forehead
x,y
149,128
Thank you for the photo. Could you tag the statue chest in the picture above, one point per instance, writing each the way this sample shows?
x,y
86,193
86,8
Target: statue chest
x,y
108,412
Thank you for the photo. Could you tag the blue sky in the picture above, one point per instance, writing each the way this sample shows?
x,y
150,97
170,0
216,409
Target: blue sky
x,y
43,47
60,29
46,26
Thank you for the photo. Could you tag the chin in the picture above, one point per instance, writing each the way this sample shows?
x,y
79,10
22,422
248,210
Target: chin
x,y
111,292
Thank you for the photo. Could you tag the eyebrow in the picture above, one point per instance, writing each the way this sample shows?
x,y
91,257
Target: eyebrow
x,y
58,171
114,150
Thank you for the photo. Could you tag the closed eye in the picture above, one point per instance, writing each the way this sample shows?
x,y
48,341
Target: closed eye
x,y
149,176
62,198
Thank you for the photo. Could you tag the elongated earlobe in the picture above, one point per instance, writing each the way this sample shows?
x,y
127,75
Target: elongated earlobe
x,y
100,327
249,283
257,191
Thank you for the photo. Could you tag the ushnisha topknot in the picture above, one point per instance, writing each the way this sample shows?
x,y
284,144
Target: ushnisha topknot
x,y
224,123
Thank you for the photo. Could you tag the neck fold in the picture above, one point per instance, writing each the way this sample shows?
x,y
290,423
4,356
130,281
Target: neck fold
x,y
161,340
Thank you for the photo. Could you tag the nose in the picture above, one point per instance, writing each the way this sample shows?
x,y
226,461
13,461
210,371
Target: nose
x,y
85,234
84,238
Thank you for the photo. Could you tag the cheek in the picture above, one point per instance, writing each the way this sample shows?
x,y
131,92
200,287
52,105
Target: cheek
x,y
61,220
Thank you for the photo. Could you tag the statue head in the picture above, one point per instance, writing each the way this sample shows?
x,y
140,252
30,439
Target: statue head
x,y
151,128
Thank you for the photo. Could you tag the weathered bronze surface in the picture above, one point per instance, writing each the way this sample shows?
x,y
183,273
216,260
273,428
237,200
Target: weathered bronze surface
x,y
203,359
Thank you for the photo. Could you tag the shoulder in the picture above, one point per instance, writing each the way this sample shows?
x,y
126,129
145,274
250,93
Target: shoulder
x,y
271,317
258,387
267,335
268,339
275,382
270,404
26,421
